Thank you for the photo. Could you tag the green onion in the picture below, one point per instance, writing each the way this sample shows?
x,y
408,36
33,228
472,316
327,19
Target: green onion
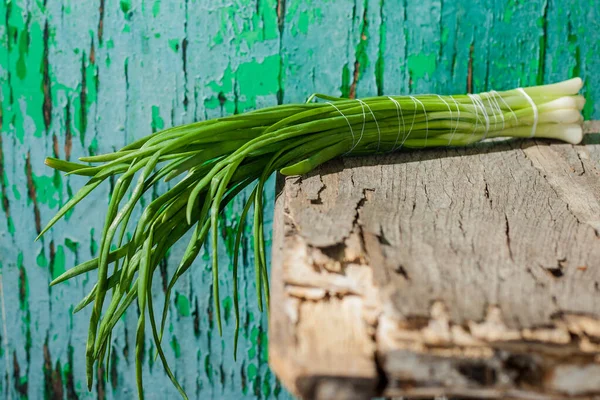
x,y
214,160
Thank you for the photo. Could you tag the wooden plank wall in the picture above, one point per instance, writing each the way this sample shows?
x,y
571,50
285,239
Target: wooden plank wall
x,y
86,77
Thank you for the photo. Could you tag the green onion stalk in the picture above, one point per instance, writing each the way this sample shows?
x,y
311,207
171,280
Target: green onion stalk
x,y
212,161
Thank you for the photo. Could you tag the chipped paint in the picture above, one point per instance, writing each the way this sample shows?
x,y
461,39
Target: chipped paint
x,y
79,78
183,305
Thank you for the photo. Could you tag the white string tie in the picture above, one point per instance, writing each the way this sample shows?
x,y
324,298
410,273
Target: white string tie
x,y
494,93
411,125
426,118
535,111
476,115
484,113
400,116
511,110
493,109
362,131
349,125
457,119
376,124
449,110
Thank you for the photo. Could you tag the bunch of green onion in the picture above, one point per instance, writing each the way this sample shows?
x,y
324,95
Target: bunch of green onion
x,y
216,159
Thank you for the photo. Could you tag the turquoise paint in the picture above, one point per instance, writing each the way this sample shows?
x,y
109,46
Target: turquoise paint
x,y
59,263
183,305
41,259
125,7
239,56
156,8
157,122
421,66
23,58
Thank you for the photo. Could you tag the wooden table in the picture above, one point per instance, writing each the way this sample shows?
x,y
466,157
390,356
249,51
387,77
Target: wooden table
x,y
460,272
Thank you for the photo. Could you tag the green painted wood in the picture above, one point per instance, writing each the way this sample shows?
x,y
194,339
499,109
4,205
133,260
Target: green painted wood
x,y
86,77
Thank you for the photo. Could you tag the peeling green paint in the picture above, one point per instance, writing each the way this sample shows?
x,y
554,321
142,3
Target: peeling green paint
x,y
93,147
59,264
445,35
259,27
361,54
23,50
157,122
183,305
176,347
266,386
174,45
422,65
11,226
227,305
303,23
16,192
41,259
87,97
255,78
252,371
72,245
156,8
24,58
345,87
93,244
125,6
225,85
48,190
208,370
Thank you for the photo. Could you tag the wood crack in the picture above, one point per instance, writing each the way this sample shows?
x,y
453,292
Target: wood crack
x,y
429,280
562,197
31,191
359,51
47,104
3,189
507,234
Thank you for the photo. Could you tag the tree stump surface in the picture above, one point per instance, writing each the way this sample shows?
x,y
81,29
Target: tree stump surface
x,y
469,272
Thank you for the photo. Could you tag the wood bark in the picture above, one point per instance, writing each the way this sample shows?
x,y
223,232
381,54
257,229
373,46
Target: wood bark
x,y
460,272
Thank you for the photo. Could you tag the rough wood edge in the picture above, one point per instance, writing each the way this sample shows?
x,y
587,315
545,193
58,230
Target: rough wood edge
x,y
486,341
300,373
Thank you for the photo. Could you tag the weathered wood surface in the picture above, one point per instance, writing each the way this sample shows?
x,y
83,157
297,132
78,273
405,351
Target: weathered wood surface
x,y
79,77
465,272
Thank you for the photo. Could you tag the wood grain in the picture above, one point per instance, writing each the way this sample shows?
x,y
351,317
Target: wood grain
x,y
465,272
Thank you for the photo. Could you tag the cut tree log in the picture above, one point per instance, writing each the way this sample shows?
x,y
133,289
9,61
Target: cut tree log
x,y
459,272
